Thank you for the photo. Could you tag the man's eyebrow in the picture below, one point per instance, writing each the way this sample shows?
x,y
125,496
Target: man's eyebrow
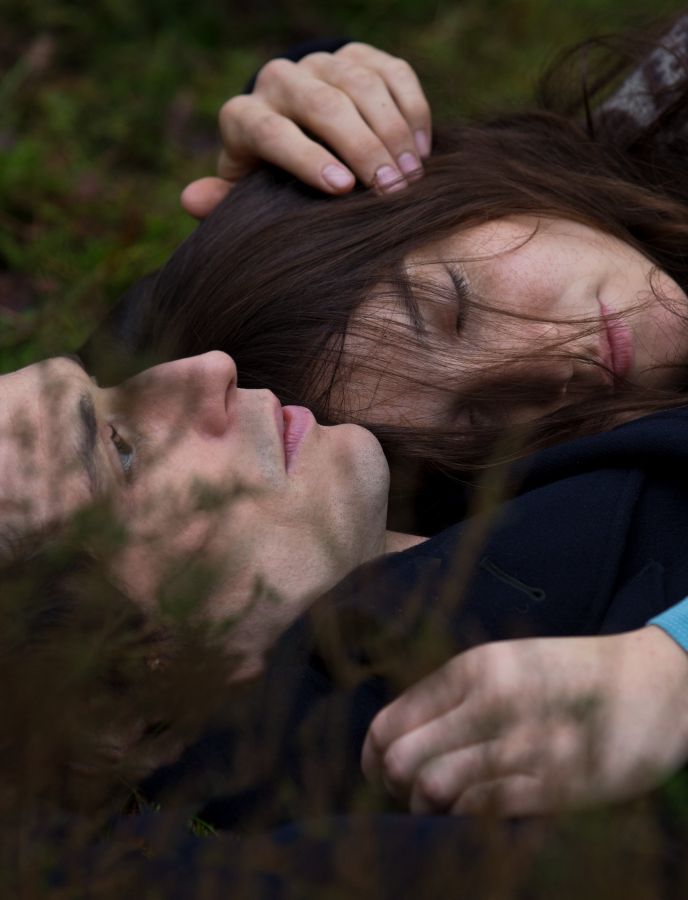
x,y
88,438
88,431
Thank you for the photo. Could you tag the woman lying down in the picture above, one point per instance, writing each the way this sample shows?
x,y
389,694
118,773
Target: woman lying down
x,y
577,552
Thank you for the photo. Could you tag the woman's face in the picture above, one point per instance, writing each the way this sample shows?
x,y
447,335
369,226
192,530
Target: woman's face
x,y
569,309
193,464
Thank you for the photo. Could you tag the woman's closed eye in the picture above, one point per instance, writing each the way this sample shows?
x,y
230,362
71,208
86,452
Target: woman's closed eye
x,y
462,289
124,449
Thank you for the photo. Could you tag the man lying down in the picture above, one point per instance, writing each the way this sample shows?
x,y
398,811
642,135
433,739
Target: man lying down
x,y
266,511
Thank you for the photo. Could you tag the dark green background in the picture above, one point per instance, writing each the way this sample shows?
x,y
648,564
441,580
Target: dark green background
x,y
108,108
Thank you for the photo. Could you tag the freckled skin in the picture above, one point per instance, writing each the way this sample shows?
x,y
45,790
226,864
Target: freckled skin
x,y
554,271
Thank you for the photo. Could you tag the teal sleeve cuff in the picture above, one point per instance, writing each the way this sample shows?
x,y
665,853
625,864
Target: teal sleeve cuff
x,y
675,622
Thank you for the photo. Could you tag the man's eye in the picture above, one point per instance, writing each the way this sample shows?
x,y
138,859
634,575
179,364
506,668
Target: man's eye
x,y
124,450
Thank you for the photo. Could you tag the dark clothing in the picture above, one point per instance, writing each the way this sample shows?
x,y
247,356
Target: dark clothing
x,y
594,543
387,857
395,857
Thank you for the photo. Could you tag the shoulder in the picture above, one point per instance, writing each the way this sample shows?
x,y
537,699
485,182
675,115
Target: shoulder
x,y
656,443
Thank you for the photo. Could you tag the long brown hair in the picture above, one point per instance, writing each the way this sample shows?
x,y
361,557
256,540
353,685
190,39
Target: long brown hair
x,y
276,273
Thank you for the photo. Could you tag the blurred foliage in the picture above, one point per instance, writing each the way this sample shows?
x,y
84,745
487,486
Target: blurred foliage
x,y
108,109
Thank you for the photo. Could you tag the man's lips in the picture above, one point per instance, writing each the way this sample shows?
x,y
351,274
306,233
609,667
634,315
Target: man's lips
x,y
619,340
298,421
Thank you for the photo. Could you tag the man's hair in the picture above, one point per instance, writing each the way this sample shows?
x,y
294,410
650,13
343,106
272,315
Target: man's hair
x,y
96,691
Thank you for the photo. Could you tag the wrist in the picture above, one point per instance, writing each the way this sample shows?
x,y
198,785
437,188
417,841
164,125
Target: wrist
x,y
665,668
667,653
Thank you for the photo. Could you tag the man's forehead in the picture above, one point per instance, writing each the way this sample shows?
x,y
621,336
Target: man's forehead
x,y
40,420
38,385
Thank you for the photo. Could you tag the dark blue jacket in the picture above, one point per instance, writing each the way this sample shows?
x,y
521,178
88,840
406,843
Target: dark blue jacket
x,y
595,542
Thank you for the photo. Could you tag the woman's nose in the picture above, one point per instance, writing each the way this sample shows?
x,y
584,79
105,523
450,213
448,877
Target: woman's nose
x,y
552,382
196,392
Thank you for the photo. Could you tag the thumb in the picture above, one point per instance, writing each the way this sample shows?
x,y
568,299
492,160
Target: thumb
x,y
201,197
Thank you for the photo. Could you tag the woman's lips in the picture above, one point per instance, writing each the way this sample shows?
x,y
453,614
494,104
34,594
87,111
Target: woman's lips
x,y
620,341
298,421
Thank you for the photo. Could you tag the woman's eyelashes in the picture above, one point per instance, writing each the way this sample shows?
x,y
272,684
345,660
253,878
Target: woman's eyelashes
x,y
124,449
462,291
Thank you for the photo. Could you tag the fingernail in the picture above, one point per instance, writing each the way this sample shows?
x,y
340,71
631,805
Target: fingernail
x,y
337,176
422,142
388,179
409,165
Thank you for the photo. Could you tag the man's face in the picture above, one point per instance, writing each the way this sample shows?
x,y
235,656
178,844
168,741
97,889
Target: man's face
x,y
196,468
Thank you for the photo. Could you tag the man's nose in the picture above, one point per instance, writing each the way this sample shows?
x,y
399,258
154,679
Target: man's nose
x,y
196,392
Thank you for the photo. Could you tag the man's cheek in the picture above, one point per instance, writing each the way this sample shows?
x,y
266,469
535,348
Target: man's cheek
x,y
137,570
156,553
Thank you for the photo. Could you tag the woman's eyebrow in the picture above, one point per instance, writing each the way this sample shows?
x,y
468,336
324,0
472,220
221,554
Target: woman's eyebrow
x,y
88,437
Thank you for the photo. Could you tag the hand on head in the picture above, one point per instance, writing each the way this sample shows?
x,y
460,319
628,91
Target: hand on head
x,y
364,104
